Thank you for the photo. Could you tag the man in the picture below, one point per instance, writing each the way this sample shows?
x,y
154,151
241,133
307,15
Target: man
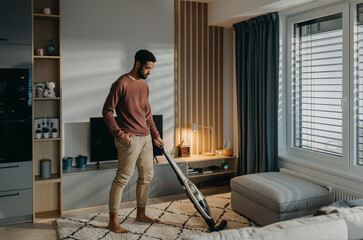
x,y
129,96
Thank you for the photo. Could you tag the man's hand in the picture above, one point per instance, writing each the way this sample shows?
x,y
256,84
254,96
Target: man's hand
x,y
158,142
125,139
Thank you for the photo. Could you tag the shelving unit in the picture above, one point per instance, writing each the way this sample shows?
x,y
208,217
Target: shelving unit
x,y
47,193
200,161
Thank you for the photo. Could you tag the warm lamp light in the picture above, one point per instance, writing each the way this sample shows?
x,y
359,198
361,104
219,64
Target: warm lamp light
x,y
194,128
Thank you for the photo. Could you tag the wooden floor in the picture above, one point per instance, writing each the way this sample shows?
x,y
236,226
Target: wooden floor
x,y
47,230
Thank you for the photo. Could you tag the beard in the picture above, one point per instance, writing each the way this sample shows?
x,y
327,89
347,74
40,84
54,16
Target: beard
x,y
140,75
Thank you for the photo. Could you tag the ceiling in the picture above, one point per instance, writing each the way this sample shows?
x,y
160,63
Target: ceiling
x,y
225,13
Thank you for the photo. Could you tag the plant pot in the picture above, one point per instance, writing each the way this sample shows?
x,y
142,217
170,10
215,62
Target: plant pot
x,y
55,134
38,135
67,163
81,161
46,135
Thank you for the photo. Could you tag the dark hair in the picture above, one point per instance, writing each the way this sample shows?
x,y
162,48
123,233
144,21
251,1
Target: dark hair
x,y
144,56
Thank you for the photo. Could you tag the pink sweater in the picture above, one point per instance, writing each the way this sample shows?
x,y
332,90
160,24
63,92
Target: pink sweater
x,y
130,99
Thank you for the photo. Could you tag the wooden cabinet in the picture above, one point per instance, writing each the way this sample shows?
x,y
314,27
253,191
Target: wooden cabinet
x,y
15,34
47,195
15,22
16,192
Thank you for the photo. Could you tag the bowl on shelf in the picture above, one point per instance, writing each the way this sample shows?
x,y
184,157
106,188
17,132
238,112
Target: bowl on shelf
x,y
227,152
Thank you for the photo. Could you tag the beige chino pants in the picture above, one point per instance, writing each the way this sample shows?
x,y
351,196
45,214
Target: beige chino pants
x,y
139,153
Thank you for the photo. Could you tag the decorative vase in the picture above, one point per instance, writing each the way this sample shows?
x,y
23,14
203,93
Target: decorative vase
x,y
46,11
45,168
50,48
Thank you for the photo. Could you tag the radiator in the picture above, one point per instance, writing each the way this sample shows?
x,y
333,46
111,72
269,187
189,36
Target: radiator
x,y
340,193
342,196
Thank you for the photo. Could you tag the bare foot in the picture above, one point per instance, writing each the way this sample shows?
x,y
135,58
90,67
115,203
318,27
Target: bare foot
x,y
113,224
116,228
146,219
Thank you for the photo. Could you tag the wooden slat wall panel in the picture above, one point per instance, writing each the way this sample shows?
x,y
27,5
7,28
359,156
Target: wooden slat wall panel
x,y
187,128
205,71
199,77
182,75
216,86
194,71
220,109
176,68
209,89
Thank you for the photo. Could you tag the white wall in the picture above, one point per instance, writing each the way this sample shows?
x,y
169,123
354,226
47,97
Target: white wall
x,y
99,40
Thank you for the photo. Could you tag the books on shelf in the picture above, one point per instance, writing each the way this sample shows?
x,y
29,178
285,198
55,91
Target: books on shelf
x,y
206,171
194,171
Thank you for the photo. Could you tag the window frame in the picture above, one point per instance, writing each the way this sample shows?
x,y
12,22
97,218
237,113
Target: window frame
x,y
354,141
346,86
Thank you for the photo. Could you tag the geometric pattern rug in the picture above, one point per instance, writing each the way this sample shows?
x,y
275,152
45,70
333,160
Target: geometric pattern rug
x,y
179,218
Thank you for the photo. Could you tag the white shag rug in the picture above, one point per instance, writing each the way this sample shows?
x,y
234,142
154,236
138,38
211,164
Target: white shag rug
x,y
179,218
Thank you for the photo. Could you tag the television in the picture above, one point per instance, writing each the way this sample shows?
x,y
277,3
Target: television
x,y
102,146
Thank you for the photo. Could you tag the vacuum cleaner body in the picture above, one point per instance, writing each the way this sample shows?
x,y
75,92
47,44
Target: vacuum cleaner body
x,y
195,196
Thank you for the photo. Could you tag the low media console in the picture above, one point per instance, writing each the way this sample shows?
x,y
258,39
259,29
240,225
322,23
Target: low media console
x,y
90,187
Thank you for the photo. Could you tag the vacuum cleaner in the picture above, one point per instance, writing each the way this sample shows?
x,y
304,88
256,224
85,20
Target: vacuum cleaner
x,y
194,195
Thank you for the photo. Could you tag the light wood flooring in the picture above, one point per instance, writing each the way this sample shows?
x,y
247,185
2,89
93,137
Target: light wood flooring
x,y
47,230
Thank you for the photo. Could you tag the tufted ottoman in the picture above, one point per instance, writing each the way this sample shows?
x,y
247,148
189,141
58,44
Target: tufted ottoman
x,y
271,197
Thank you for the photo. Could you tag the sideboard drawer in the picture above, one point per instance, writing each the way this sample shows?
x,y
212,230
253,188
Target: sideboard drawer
x,y
16,203
18,175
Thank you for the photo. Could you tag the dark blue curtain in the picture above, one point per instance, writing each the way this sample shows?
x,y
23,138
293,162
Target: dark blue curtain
x,y
257,69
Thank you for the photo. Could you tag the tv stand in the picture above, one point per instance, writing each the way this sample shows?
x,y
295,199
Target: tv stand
x,y
82,188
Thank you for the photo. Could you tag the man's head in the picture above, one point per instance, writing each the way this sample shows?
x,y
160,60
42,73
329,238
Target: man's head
x,y
144,62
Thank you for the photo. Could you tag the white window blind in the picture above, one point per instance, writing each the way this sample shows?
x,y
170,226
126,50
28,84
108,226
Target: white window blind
x,y
317,85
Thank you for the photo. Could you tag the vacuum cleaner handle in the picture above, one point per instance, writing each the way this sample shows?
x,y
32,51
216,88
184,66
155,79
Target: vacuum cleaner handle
x,y
195,196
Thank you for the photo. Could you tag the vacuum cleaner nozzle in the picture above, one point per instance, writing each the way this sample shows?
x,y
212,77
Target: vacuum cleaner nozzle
x,y
218,226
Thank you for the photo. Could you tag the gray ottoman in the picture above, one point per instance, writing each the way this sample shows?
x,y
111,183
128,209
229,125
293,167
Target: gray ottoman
x,y
271,197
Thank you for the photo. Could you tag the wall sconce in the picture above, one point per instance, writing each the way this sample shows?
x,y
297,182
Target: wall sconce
x,y
194,128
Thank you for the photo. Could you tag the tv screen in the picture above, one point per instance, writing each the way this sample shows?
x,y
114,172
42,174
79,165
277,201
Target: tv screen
x,y
102,146
158,120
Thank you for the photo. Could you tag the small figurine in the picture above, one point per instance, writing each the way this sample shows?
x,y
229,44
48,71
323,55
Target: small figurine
x,y
40,92
49,92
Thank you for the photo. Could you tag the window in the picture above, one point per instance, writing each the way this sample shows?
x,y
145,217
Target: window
x,y
317,84
321,96
325,79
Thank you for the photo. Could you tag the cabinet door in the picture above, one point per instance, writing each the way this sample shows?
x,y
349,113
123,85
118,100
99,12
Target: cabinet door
x,y
15,22
16,203
17,175
15,56
88,189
